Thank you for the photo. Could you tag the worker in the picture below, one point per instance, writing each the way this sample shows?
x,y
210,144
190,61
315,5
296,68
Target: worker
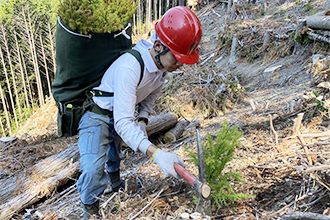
x,y
175,41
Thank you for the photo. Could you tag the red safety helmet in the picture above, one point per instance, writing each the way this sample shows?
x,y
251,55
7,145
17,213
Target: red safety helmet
x,y
180,30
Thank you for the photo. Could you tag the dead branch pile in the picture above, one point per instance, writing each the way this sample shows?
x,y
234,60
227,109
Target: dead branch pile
x,y
266,40
206,91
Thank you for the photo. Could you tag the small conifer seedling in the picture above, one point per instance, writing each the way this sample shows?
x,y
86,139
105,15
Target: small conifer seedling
x,y
217,154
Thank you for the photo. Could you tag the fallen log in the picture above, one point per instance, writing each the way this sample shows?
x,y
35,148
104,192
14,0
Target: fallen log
x,y
38,191
305,215
14,187
38,181
175,133
7,189
161,123
318,21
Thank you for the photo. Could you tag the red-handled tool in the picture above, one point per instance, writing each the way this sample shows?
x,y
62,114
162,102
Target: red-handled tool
x,y
201,188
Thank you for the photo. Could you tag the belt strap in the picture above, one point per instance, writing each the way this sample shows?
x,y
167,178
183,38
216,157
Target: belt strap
x,y
96,109
99,93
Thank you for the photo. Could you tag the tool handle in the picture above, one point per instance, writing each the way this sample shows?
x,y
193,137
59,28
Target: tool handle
x,y
201,188
185,174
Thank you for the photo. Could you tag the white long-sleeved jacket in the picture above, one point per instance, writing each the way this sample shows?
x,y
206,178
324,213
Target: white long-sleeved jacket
x,y
122,79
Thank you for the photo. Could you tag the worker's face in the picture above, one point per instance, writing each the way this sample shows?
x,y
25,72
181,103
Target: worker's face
x,y
169,62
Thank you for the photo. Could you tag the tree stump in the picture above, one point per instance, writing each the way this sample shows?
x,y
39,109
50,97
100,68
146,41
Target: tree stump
x,y
175,133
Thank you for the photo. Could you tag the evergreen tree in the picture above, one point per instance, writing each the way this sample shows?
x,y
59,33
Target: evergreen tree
x,y
217,154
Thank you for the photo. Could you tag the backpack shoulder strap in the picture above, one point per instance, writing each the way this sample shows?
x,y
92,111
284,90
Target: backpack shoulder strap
x,y
137,55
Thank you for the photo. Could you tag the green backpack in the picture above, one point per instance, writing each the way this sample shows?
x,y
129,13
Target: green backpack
x,y
81,61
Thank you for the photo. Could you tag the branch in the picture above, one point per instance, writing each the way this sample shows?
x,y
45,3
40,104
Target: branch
x,y
137,214
273,130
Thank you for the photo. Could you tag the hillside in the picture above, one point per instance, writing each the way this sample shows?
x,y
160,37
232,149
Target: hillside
x,y
267,86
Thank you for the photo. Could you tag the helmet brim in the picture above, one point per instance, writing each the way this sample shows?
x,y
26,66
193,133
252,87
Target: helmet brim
x,y
187,59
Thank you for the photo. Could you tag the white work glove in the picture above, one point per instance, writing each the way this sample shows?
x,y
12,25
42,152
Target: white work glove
x,y
166,161
143,127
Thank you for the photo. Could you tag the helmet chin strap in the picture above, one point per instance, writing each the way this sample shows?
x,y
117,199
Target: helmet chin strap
x,y
160,54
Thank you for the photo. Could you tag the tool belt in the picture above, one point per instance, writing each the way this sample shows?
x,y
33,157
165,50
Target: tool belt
x,y
70,112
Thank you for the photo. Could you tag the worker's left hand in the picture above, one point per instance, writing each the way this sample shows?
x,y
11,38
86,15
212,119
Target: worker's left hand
x,y
166,161
143,127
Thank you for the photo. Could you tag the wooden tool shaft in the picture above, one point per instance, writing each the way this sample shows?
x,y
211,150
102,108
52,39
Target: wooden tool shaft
x,y
185,174
201,188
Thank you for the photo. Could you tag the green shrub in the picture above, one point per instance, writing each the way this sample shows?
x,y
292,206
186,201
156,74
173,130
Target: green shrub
x,y
217,154
96,16
262,12
302,38
320,103
308,6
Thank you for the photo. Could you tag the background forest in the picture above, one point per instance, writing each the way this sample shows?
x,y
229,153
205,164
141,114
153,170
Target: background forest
x,y
27,53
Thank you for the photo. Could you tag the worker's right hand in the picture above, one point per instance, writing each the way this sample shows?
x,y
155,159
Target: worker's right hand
x,y
166,161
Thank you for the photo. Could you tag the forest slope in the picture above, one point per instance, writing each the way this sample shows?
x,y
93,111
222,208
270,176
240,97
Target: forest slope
x,y
276,77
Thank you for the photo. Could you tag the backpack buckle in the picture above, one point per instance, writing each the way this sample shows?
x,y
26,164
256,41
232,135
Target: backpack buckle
x,y
123,32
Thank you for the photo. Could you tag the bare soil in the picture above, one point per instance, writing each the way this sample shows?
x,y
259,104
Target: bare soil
x,y
275,168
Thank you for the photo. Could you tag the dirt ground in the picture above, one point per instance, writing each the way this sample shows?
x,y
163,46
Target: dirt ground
x,y
284,170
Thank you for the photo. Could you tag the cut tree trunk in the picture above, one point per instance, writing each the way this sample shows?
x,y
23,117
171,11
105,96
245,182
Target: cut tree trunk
x,y
175,133
40,181
318,21
233,57
161,123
